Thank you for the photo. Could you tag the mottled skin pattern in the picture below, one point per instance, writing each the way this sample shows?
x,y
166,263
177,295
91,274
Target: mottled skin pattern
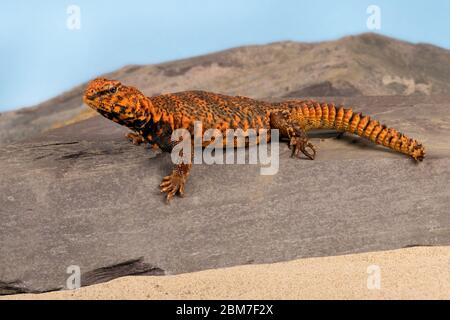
x,y
153,119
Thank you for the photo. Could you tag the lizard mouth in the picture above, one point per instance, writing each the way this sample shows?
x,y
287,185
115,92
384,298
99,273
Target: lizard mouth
x,y
92,96
90,102
89,98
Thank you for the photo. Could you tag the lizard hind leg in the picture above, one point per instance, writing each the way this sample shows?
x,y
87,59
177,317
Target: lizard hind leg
x,y
294,129
301,144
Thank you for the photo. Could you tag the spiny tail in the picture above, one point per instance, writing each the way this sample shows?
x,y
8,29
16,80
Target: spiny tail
x,y
327,116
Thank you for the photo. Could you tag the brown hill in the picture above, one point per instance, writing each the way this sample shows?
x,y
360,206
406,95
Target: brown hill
x,y
367,64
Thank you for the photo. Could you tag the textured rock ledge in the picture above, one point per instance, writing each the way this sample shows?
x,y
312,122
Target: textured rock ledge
x,y
82,195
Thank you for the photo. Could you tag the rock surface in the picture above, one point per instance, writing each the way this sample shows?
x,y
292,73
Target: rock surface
x,y
367,64
82,195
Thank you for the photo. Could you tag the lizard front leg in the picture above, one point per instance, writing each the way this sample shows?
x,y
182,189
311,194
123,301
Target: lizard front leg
x,y
295,131
175,182
135,138
138,139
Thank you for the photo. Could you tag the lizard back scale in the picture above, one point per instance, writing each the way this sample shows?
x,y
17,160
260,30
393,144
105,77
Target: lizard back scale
x,y
153,119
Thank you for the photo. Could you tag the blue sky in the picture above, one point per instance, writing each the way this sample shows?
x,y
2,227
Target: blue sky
x,y
40,57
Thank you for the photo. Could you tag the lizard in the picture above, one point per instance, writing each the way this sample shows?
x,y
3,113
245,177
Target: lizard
x,y
153,119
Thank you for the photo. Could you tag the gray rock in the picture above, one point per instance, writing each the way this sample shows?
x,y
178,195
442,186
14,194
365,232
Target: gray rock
x,y
82,195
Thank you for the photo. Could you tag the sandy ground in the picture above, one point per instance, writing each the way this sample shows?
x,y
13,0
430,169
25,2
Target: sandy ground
x,y
412,273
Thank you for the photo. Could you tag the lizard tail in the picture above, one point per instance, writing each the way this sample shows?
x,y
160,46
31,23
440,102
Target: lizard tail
x,y
327,116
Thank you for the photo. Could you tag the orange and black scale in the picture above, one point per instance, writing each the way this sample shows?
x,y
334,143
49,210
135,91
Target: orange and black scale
x,y
156,117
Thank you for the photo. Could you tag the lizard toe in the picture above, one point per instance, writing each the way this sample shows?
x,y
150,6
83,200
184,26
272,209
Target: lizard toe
x,y
301,145
181,190
135,138
172,185
170,195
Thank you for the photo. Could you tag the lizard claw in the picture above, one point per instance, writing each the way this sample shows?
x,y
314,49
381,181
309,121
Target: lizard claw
x,y
300,144
171,185
135,138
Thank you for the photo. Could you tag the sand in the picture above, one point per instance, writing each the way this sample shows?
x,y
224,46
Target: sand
x,y
412,273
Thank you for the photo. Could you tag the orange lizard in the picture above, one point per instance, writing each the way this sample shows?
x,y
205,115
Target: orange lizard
x,y
153,119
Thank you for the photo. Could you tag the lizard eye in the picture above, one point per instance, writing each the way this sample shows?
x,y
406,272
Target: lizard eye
x,y
113,90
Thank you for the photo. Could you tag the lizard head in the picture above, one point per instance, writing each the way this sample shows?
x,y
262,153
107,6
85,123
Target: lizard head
x,y
117,102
